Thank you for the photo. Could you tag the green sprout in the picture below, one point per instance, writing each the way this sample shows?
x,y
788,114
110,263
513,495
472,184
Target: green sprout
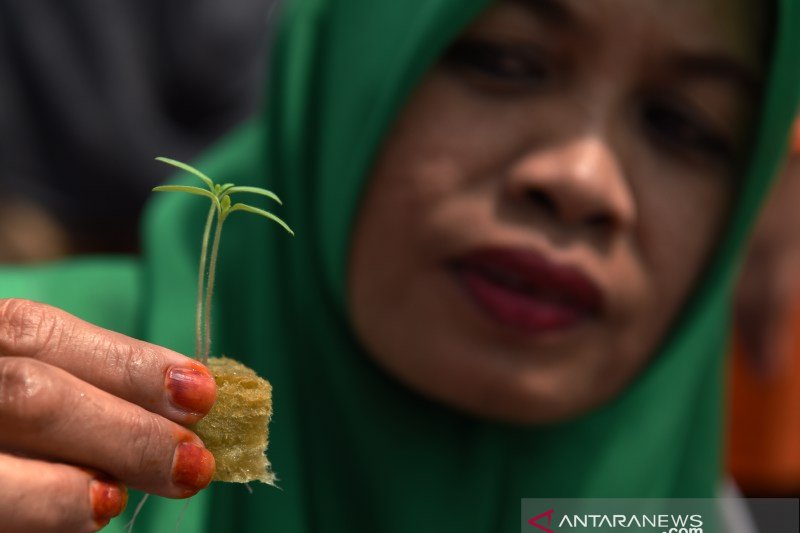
x,y
221,206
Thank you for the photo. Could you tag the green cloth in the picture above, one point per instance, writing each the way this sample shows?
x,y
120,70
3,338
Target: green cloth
x,y
353,449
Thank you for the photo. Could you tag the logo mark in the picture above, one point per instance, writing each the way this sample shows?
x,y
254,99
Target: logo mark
x,y
534,521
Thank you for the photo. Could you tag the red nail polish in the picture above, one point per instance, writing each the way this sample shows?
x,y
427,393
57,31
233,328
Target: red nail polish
x,y
191,389
108,499
193,466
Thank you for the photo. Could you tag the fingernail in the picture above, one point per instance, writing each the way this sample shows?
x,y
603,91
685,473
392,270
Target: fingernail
x,y
192,389
108,499
193,466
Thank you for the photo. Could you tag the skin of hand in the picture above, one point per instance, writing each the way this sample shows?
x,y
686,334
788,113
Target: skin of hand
x,y
86,412
770,280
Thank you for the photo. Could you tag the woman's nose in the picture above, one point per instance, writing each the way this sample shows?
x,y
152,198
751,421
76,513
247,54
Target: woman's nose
x,y
578,182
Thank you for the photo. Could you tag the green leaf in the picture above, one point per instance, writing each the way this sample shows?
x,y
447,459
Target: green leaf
x,y
257,211
187,188
188,168
255,190
224,187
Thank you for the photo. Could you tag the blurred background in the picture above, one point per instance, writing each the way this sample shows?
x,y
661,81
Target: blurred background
x,y
92,90
764,385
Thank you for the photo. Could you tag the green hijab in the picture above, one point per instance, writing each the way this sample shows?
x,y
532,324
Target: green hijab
x,y
353,449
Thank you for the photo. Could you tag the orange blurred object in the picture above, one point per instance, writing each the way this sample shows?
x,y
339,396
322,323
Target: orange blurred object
x,y
764,426
764,410
795,143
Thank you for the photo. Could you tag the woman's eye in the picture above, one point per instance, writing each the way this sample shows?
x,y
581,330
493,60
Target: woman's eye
x,y
517,65
680,130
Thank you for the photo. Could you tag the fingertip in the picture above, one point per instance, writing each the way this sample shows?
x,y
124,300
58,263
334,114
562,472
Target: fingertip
x,y
191,389
193,468
108,499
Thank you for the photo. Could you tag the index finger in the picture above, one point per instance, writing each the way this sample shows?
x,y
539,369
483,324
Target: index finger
x,y
156,378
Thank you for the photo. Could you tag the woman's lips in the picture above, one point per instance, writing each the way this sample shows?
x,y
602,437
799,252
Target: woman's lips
x,y
525,290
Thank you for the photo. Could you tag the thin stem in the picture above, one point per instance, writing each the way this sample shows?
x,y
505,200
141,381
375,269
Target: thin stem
x,y
129,525
181,515
212,271
201,274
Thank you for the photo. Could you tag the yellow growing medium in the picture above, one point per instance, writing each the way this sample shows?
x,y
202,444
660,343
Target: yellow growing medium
x,y
236,430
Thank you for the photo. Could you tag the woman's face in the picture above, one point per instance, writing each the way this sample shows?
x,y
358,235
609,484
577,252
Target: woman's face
x,y
544,203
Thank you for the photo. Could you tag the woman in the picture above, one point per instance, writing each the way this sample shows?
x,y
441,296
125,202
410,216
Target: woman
x,y
424,374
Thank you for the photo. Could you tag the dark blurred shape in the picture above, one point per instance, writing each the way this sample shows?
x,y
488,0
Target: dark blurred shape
x,y
92,90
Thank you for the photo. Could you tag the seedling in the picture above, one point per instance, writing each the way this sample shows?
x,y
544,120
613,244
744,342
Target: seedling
x,y
236,428
238,442
221,208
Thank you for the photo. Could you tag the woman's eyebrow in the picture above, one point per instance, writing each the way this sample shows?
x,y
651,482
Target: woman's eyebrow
x,y
552,11
720,67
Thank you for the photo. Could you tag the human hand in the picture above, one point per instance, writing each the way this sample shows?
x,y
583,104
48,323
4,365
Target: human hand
x,y
85,412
